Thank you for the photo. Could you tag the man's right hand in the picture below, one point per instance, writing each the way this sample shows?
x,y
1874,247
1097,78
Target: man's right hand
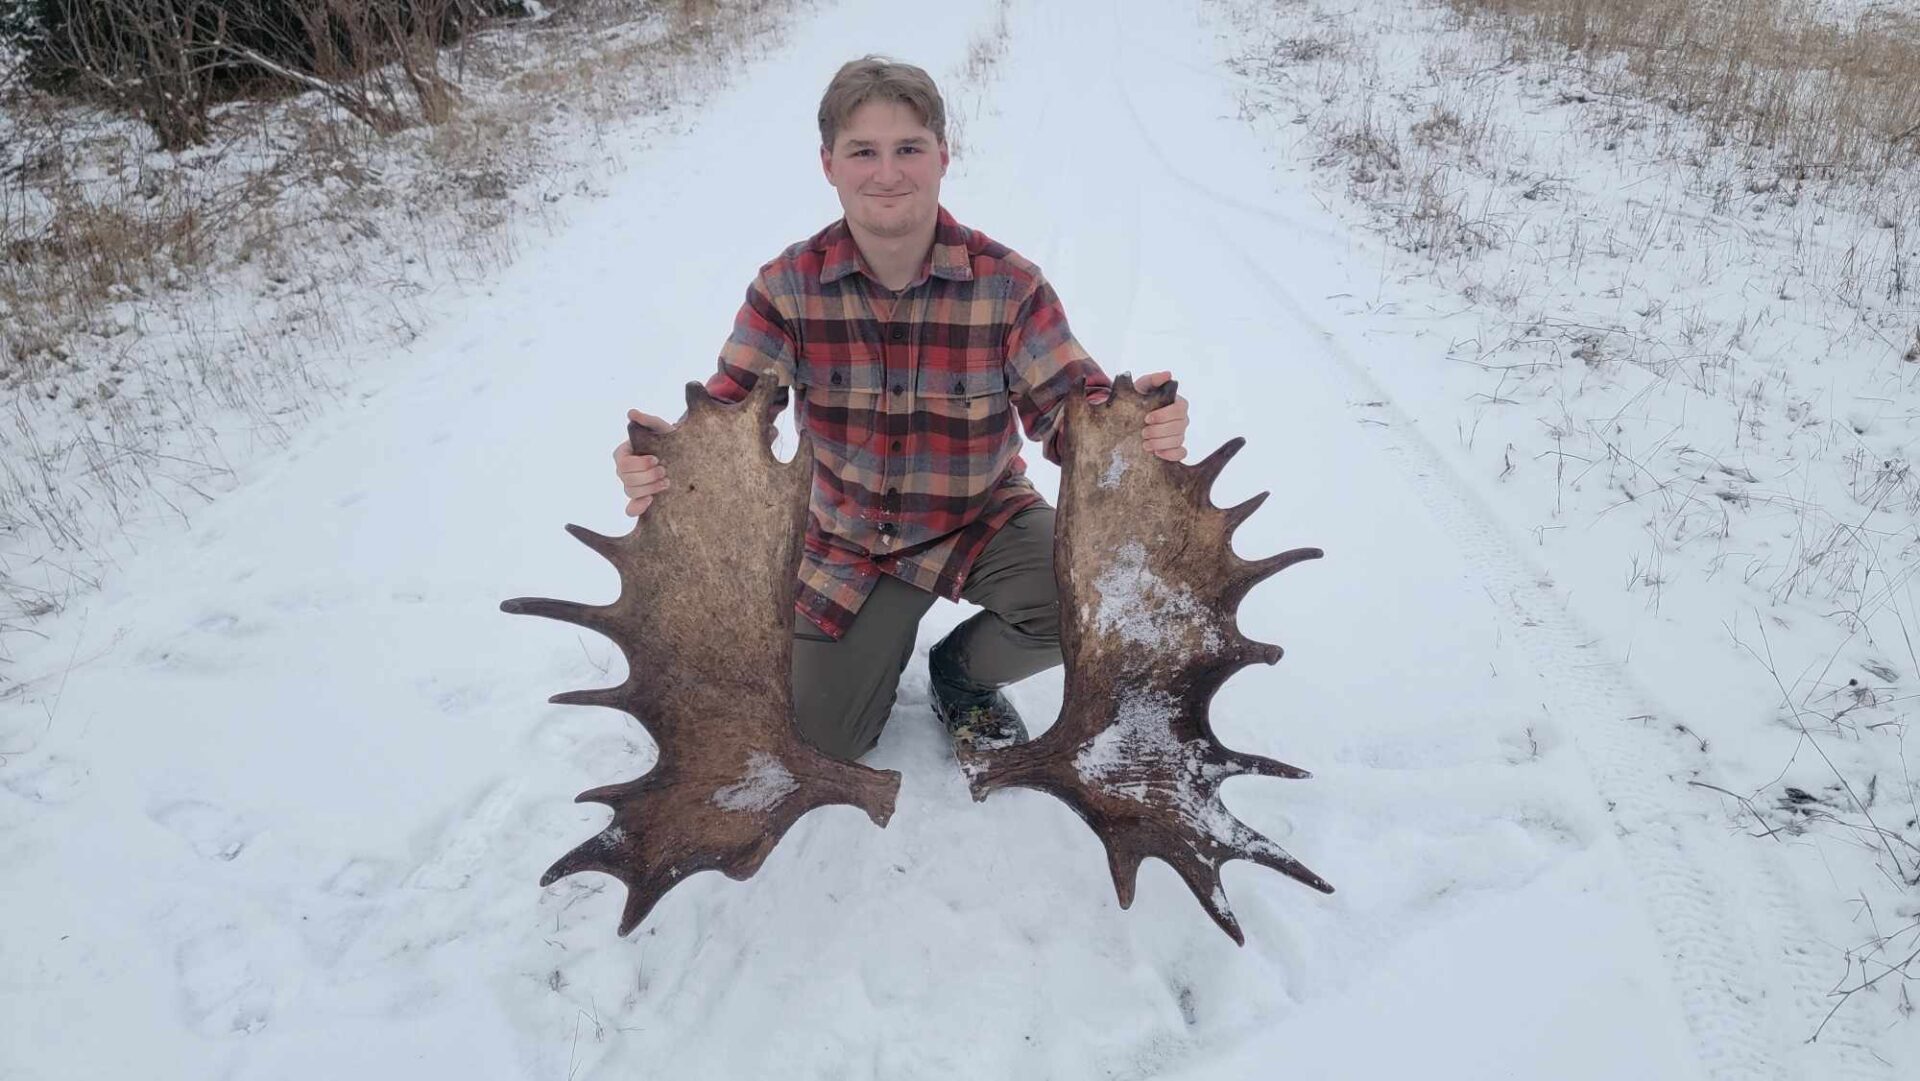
x,y
642,475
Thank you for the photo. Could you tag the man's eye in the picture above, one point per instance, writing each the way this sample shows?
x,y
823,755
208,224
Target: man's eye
x,y
909,150
863,153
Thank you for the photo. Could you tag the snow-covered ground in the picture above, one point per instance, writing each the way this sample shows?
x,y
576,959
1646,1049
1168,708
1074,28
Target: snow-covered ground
x,y
276,797
167,319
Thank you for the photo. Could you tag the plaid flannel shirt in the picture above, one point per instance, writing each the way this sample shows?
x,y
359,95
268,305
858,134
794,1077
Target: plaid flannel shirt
x,y
910,399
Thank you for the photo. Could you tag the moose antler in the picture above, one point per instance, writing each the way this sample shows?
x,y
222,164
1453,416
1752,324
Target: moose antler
x,y
705,619
1149,586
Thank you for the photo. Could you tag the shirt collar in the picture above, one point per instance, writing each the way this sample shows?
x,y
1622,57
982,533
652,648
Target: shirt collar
x,y
948,258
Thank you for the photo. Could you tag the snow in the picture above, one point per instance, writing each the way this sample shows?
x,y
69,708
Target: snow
x,y
1117,466
767,783
274,799
1139,747
1142,608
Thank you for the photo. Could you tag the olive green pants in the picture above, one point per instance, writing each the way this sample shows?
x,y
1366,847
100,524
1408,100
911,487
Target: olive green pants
x,y
843,691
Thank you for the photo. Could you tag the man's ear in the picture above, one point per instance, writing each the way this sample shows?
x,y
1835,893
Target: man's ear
x,y
826,163
945,157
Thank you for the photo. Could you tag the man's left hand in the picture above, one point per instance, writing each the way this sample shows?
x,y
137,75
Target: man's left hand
x,y
1166,430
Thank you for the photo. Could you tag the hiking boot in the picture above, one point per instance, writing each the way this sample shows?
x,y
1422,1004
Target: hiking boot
x,y
976,721
982,724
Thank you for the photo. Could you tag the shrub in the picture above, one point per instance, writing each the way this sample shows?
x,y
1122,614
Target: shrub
x,y
170,60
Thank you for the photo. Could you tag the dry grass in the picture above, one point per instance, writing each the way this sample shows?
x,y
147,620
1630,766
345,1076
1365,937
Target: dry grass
x,y
1766,74
156,307
967,82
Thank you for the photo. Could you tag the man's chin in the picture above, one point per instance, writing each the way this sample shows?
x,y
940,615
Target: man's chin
x,y
891,226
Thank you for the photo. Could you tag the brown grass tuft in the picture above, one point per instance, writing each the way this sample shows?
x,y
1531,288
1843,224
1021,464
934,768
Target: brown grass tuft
x,y
1764,74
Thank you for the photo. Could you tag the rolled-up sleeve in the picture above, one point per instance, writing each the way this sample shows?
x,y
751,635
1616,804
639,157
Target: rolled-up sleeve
x,y
1044,362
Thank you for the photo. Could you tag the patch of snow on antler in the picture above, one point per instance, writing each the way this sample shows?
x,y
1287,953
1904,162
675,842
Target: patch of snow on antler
x,y
767,782
1138,757
1116,468
1141,608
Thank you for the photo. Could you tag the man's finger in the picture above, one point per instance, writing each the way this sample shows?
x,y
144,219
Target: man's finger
x,y
637,507
1152,380
648,420
1160,431
1172,454
1176,411
650,486
643,476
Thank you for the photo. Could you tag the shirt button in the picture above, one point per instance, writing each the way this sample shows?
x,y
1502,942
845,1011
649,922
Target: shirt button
x,y
898,389
836,379
959,387
896,446
887,529
899,334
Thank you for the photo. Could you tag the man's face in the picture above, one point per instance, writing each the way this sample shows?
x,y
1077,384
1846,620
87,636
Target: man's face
x,y
887,166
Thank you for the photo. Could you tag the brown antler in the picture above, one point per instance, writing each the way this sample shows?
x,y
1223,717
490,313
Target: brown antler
x,y
705,618
1149,586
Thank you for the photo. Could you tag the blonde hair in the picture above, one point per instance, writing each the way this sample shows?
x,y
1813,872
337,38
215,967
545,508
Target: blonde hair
x,y
876,78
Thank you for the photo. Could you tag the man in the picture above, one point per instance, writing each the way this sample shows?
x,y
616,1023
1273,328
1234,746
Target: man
x,y
913,341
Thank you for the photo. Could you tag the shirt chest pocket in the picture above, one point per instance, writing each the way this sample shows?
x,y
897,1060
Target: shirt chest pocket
x,y
843,388
965,404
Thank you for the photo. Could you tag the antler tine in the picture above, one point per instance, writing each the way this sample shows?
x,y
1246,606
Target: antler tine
x,y
640,902
595,617
1253,653
1249,573
1240,512
1262,766
610,697
1207,470
1204,880
1125,865
607,547
1255,848
698,400
577,860
610,795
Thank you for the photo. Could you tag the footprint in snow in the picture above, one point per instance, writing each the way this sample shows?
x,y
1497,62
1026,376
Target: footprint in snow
x,y
356,878
227,625
56,780
214,833
172,658
467,844
220,990
463,700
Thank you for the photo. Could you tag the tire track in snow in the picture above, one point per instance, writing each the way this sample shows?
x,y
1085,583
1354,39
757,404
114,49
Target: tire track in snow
x,y
1746,964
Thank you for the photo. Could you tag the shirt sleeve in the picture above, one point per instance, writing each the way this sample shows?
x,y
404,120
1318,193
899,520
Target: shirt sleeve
x,y
762,338
1044,361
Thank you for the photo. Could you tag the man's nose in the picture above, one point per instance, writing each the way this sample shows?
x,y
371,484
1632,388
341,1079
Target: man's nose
x,y
889,168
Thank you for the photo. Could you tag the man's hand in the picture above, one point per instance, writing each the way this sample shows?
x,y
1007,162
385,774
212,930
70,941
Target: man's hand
x,y
1166,430
642,475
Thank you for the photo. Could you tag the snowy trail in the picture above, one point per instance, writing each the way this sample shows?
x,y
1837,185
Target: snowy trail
x,y
287,817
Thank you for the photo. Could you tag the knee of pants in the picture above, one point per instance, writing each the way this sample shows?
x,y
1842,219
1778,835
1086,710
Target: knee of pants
x,y
842,743
841,726
1040,624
